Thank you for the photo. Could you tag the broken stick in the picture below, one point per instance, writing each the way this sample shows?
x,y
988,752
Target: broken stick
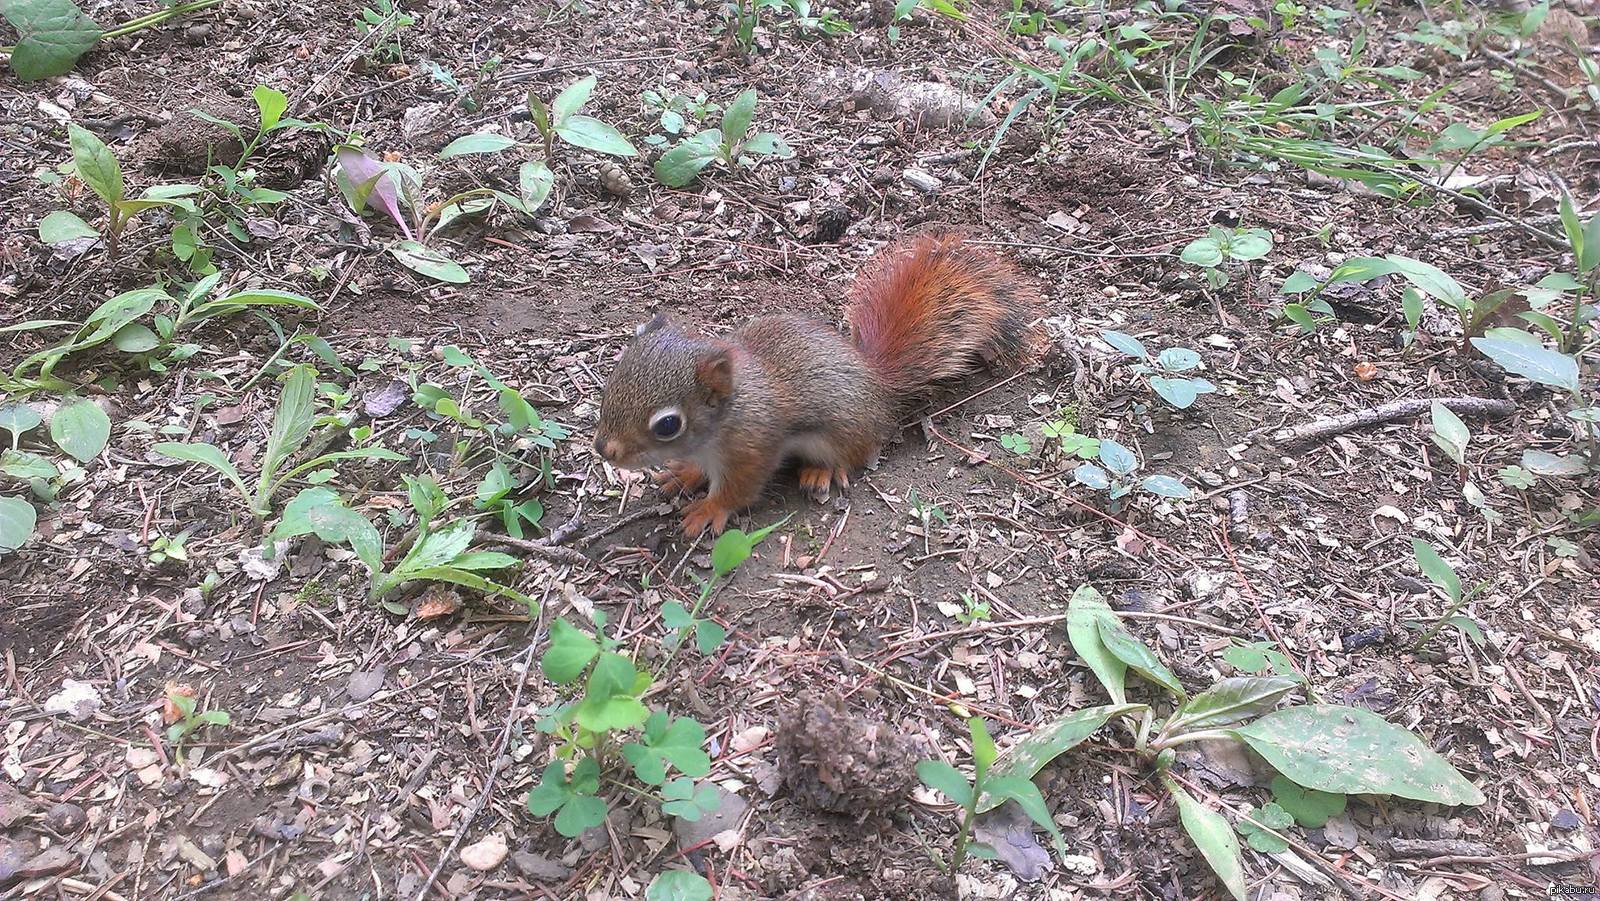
x,y
1389,412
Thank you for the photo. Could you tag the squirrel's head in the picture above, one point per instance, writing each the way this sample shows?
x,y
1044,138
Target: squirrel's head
x,y
663,400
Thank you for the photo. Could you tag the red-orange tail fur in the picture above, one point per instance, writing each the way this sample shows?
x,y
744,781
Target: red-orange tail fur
x,y
932,307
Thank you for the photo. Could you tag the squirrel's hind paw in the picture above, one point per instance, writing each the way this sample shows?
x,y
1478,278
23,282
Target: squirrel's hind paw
x,y
705,513
818,480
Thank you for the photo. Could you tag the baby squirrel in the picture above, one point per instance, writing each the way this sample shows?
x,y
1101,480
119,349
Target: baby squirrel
x,y
728,412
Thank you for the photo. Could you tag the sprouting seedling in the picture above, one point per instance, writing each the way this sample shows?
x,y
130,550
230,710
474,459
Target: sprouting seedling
x,y
731,143
976,610
188,718
1072,443
98,168
1223,245
383,20
561,119
985,786
925,513
1164,372
1118,464
1017,443
732,549
291,426
1444,577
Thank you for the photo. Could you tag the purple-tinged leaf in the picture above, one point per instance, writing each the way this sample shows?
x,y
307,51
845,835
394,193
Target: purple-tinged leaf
x,y
366,182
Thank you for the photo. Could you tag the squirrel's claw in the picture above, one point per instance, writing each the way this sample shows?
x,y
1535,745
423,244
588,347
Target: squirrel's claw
x,y
705,513
817,480
680,477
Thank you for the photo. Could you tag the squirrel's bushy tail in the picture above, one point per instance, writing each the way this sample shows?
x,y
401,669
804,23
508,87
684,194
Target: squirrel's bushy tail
x,y
932,307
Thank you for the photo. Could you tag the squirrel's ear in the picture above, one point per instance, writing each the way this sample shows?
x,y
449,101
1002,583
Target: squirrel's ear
x,y
714,372
657,321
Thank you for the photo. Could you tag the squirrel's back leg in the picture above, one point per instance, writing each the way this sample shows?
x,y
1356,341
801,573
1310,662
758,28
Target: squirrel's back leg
x,y
829,460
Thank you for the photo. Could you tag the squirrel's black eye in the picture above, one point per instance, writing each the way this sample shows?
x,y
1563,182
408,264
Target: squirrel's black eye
x,y
666,424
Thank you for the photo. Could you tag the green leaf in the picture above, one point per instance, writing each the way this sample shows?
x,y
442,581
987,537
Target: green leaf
x,y
1026,794
443,546
1211,833
81,429
569,653
338,524
291,423
534,181
1233,700
1125,646
1178,359
17,520
947,780
734,547
1117,458
1264,826
1574,229
18,418
678,885
679,166
1436,569
1166,486
767,143
610,700
482,142
1084,612
1532,361
51,35
667,740
736,120
1128,344
592,134
983,750
688,800
1299,282
1091,476
1591,243
134,338
1203,252
1250,244
1029,756
270,103
1545,463
234,303
206,454
1450,433
1310,808
571,99
1348,750
427,261
95,163
1181,393
27,466
61,226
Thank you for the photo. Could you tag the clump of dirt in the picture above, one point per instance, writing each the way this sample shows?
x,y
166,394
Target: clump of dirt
x,y
188,144
837,762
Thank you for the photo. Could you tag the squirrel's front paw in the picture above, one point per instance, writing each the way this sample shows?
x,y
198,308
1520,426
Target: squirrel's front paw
x,y
703,514
680,477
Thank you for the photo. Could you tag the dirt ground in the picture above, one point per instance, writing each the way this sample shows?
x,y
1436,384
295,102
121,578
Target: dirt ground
x,y
368,745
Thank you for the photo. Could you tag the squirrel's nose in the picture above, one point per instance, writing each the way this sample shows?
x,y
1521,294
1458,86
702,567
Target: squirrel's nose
x,y
599,445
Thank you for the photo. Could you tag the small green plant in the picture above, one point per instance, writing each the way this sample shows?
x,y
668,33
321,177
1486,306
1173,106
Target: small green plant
x,y
1070,441
1321,752
1017,443
52,34
384,22
986,787
679,885
440,552
743,17
291,426
561,120
1444,577
976,611
732,549
677,112
188,719
97,167
1221,246
170,547
1164,372
730,144
1115,475
925,513
78,427
1450,434
1259,658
